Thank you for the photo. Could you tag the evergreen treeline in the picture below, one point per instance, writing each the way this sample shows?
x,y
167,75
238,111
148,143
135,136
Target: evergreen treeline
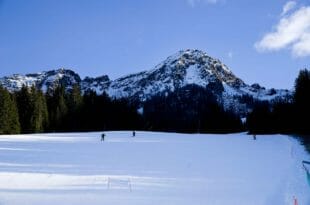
x,y
190,109
9,121
30,110
290,116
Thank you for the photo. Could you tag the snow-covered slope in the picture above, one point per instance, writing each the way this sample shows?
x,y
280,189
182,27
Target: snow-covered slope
x,y
152,169
99,84
179,70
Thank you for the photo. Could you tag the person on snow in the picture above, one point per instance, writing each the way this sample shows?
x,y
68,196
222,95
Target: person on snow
x,y
133,133
102,136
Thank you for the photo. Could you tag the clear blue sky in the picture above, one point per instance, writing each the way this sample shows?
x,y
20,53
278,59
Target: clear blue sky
x,y
118,37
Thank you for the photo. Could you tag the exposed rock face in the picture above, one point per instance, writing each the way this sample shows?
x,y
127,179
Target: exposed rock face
x,y
98,84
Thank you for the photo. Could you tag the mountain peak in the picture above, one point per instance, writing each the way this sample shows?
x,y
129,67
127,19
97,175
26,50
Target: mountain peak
x,y
192,52
190,55
196,62
183,69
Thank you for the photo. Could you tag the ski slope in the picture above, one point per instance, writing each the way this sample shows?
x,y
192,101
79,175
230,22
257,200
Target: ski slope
x,y
151,169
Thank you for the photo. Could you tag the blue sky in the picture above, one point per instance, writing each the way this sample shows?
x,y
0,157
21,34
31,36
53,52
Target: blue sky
x,y
118,37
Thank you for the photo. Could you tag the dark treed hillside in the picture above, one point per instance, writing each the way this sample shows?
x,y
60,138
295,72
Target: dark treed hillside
x,y
188,109
71,111
290,116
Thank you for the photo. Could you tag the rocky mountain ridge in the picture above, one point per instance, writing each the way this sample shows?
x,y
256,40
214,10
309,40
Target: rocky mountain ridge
x,y
184,68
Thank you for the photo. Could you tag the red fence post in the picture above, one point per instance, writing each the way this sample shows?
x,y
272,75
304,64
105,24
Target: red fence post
x,y
295,201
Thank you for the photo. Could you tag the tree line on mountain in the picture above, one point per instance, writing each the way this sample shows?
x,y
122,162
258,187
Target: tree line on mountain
x,y
30,111
190,109
289,116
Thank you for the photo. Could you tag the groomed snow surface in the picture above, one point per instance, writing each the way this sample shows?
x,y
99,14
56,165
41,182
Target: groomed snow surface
x,y
151,168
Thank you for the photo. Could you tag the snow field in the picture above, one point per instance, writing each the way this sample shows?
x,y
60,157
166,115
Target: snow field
x,y
152,168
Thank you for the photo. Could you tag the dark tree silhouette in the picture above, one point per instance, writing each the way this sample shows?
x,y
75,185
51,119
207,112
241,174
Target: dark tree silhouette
x,y
9,121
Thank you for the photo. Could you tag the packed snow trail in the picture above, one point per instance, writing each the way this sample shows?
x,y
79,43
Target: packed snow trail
x,y
152,168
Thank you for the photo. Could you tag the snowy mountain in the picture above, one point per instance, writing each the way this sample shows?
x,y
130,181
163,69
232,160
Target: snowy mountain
x,y
44,80
179,70
192,67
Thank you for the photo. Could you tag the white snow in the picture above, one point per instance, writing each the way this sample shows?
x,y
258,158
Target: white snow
x,y
18,81
140,110
193,76
225,68
230,91
54,78
151,168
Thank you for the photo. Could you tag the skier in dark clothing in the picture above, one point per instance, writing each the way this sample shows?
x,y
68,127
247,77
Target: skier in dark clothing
x,y
134,133
102,136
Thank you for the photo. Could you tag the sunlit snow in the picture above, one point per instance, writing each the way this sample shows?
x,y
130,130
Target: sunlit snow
x,y
152,168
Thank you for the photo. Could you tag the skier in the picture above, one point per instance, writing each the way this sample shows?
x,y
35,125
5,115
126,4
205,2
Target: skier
x,y
102,136
254,137
133,133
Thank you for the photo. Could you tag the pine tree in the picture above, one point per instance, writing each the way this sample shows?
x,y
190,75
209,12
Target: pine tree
x,y
25,107
75,98
75,104
39,115
302,101
302,88
95,112
260,119
57,109
9,122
